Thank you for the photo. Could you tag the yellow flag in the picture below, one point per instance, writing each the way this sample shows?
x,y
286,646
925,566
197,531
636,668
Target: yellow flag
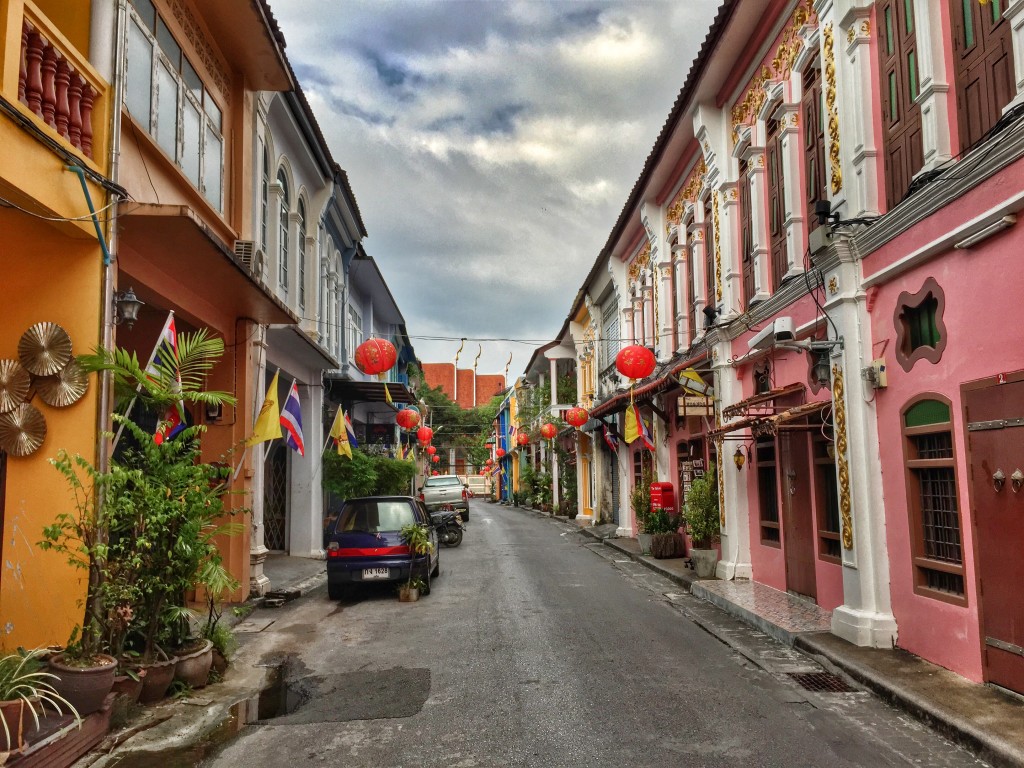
x,y
268,422
632,426
387,395
340,434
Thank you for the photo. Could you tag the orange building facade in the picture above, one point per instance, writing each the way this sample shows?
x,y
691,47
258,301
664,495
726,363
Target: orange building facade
x,y
463,386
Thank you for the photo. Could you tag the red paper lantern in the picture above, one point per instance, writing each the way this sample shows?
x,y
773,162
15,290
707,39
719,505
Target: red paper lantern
x,y
431,450
408,418
635,362
435,459
523,439
435,472
548,430
488,462
499,452
375,356
424,435
577,416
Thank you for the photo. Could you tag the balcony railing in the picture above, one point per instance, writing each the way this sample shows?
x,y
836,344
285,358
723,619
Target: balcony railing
x,y
55,81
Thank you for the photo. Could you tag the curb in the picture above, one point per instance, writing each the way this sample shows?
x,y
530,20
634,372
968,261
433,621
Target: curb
x,y
987,745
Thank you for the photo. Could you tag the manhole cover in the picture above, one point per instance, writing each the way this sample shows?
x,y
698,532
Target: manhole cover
x,y
821,682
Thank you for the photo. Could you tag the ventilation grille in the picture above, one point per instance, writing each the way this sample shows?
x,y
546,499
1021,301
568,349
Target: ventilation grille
x,y
821,682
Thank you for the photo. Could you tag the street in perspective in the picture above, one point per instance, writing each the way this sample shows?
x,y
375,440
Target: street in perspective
x,y
535,383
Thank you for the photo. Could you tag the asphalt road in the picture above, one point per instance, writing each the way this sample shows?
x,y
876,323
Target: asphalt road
x,y
539,648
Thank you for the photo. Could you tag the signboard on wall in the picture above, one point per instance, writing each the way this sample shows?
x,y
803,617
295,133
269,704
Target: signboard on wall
x,y
695,405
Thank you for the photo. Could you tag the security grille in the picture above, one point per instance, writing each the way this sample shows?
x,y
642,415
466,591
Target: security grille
x,y
275,499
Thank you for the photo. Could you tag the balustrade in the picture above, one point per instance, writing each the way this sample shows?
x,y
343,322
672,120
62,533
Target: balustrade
x,y
52,87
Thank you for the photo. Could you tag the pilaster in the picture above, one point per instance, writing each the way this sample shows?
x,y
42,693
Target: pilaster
x,y
728,243
865,617
305,519
259,584
934,79
1014,14
735,560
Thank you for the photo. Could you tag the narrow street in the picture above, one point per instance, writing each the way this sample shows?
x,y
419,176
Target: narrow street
x,y
538,647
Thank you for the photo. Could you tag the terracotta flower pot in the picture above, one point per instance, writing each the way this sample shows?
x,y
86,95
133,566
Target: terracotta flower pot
x,y
84,688
193,667
126,685
159,676
19,722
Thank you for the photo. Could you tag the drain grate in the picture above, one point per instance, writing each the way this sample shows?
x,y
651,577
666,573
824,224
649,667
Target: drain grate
x,y
821,682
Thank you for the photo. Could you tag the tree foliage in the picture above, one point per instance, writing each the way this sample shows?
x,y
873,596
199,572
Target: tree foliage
x,y
364,475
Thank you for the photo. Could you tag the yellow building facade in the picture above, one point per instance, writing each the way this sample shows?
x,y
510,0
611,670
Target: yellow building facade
x,y
54,134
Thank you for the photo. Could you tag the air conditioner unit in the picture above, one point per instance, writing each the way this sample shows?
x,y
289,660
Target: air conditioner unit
x,y
250,256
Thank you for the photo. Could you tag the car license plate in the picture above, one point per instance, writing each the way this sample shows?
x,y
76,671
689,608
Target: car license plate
x,y
376,573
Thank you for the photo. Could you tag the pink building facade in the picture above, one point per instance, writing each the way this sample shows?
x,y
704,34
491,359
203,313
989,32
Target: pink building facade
x,y
828,223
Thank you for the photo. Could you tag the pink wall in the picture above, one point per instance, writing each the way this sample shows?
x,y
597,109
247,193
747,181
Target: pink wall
x,y
768,561
981,343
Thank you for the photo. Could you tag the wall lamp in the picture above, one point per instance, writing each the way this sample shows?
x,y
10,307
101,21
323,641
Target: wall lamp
x,y
821,349
985,232
126,308
740,457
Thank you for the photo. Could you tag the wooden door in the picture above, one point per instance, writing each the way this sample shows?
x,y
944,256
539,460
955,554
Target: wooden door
x,y
776,203
995,430
984,66
901,114
797,513
747,236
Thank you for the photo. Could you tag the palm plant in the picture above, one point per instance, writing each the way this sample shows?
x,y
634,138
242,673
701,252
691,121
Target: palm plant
x,y
415,536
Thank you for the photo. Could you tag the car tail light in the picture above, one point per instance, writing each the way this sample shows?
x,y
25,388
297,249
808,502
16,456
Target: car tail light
x,y
422,498
465,495
336,551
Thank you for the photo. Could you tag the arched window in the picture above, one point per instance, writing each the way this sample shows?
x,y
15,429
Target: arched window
x,y
264,200
934,512
282,234
302,255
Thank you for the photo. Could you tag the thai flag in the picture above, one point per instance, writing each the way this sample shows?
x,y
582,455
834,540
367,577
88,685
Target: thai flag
x,y
645,432
351,432
164,358
610,439
170,426
291,421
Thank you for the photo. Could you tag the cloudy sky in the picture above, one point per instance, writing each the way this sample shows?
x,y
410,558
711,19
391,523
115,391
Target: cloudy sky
x,y
491,145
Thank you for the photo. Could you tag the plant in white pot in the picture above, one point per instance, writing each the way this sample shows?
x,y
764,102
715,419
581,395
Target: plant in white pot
x,y
640,501
702,523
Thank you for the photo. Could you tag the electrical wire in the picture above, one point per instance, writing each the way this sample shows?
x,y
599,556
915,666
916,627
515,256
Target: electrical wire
x,y
5,203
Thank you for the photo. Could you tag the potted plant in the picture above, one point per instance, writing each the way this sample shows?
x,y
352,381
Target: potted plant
x,y
216,583
664,530
418,541
24,688
84,675
640,501
702,523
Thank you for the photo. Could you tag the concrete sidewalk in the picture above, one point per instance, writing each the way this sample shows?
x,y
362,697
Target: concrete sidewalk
x,y
985,719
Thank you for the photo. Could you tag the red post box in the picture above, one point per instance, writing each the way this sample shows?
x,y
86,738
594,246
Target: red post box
x,y
663,496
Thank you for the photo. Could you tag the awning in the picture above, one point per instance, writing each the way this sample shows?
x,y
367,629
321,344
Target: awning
x,y
767,424
347,390
301,347
743,406
647,391
171,251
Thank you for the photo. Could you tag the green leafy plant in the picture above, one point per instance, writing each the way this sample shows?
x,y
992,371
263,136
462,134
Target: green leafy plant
x,y
417,583
660,521
701,511
418,541
640,500
22,679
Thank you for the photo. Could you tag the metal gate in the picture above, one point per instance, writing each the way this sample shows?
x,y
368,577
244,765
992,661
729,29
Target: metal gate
x,y
275,499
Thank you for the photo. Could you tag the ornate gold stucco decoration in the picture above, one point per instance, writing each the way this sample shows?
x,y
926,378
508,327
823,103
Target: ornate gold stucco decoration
x,y
781,66
842,464
642,259
833,285
833,114
718,254
721,491
689,193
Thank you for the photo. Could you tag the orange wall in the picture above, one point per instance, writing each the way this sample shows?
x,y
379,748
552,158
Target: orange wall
x,y
47,277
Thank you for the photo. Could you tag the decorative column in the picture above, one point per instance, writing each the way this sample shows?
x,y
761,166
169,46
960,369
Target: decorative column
x,y
759,221
272,269
647,302
728,244
305,521
627,325
865,617
735,562
697,232
1014,14
681,321
638,319
793,217
934,96
259,584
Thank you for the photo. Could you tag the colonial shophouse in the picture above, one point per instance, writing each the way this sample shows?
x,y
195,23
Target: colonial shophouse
x,y
824,228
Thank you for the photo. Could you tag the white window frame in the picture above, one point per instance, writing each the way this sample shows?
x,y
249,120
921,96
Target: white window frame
x,y
215,197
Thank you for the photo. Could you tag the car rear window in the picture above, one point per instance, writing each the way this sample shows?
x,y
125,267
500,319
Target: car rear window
x,y
374,516
433,482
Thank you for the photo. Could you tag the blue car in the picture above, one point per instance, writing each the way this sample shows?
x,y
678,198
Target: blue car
x,y
365,546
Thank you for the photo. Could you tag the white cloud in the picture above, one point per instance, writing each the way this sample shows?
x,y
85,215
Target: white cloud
x,y
490,145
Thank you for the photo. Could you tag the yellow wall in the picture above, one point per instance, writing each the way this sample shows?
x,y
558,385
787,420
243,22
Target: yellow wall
x,y
72,18
47,277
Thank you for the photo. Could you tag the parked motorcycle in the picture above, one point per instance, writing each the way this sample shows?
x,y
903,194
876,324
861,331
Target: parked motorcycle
x,y
449,527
